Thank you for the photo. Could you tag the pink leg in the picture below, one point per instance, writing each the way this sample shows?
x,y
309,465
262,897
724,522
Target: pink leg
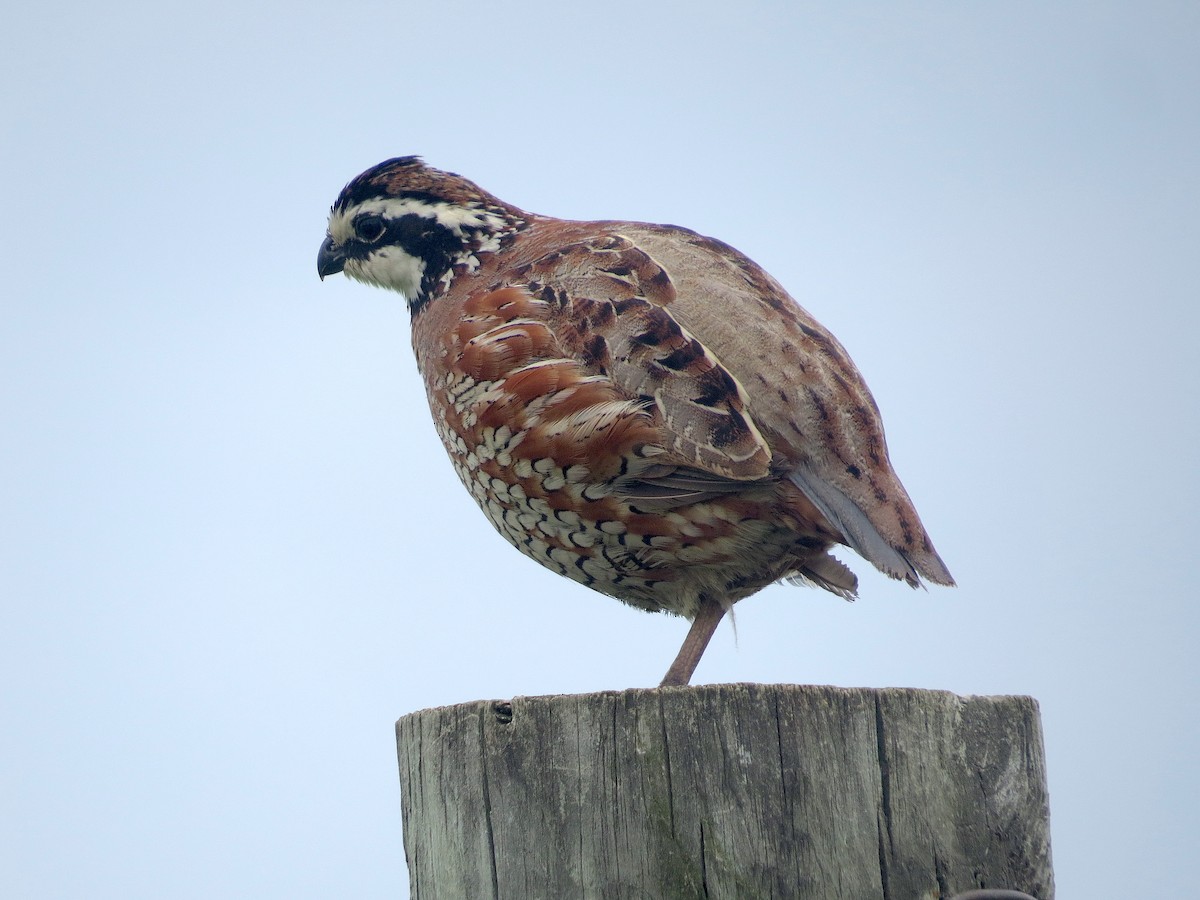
x,y
708,617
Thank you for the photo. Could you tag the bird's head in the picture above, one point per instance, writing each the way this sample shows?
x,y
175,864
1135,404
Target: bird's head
x,y
409,227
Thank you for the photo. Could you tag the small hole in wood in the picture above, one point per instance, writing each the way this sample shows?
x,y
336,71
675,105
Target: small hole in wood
x,y
503,711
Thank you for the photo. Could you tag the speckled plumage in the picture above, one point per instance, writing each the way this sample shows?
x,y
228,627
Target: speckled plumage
x,y
637,407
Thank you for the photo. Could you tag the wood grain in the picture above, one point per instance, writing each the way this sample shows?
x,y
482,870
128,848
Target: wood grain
x,y
741,791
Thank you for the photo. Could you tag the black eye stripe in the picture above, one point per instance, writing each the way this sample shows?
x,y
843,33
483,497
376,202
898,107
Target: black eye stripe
x,y
419,235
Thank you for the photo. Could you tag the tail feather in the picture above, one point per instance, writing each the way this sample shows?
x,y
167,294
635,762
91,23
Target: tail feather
x,y
859,532
826,572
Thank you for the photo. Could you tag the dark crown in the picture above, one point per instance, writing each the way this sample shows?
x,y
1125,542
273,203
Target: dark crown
x,y
409,176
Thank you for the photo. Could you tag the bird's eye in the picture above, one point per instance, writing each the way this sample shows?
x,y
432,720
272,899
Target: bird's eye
x,y
369,227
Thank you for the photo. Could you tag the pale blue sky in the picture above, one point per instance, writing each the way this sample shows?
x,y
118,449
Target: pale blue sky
x,y
232,552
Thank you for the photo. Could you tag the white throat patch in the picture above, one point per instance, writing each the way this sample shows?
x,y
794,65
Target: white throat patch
x,y
391,268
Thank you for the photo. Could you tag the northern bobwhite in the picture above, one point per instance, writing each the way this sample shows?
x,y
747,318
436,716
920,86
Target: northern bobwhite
x,y
637,407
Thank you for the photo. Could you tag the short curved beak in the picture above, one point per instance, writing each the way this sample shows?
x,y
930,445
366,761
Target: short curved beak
x,y
330,259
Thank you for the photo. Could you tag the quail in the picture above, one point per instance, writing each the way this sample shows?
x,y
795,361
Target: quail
x,y
637,407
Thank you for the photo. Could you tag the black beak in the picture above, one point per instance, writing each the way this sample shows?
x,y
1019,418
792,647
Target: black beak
x,y
330,259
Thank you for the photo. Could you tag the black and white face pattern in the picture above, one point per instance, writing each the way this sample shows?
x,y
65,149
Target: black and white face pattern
x,y
411,243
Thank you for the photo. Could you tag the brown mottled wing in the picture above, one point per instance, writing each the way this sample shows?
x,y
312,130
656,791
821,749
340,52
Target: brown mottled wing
x,y
612,310
805,394
514,386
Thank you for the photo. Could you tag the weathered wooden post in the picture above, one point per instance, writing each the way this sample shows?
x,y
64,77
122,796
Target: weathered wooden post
x,y
738,791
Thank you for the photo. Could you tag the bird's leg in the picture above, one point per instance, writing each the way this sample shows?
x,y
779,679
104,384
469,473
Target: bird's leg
x,y
708,617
